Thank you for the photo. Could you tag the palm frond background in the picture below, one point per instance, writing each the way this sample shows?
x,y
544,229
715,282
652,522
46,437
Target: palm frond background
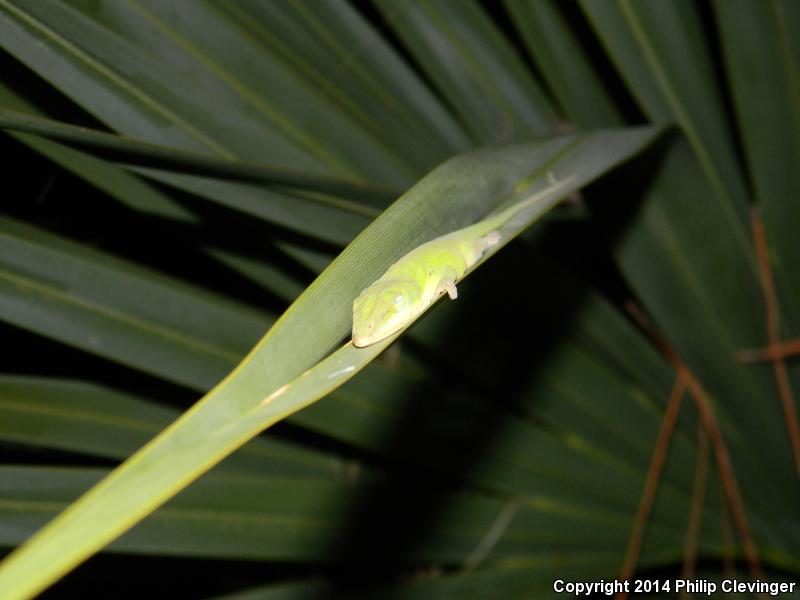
x,y
178,173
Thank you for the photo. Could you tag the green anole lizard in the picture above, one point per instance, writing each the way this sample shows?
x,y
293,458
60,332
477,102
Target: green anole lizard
x,y
417,279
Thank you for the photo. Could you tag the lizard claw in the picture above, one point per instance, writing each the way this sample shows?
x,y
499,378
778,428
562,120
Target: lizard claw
x,y
449,287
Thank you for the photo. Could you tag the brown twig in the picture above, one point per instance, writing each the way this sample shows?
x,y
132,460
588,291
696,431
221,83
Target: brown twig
x,y
651,481
709,421
728,544
768,353
773,334
696,511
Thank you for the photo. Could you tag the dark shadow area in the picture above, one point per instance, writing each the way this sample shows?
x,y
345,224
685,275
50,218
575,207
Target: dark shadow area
x,y
133,577
612,213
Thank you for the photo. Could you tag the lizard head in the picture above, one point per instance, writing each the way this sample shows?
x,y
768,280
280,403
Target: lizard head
x,y
383,309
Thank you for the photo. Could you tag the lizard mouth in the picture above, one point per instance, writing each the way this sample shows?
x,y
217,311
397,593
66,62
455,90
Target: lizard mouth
x,y
362,340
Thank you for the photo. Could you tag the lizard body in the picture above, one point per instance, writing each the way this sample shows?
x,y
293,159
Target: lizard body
x,y
417,279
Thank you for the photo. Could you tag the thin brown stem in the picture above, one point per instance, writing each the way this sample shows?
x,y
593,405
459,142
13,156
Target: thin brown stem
x,y
769,353
726,472
696,511
773,334
728,544
652,479
720,449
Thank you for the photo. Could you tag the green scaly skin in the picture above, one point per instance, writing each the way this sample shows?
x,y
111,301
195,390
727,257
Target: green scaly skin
x,y
419,278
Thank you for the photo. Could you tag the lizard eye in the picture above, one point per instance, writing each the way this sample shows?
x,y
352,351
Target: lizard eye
x,y
398,300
